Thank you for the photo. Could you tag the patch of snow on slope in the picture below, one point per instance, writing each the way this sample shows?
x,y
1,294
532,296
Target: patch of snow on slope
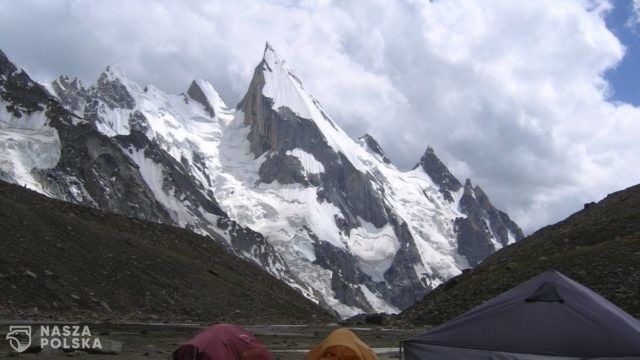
x,y
26,143
374,248
308,161
494,238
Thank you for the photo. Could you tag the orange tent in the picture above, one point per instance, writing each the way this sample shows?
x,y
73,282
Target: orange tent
x,y
341,344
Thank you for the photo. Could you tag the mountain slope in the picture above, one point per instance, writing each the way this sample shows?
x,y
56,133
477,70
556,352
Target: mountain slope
x,y
67,261
598,247
275,180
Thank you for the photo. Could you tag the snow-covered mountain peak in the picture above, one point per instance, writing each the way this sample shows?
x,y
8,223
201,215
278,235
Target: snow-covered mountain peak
x,y
114,76
299,117
284,87
268,48
203,92
112,72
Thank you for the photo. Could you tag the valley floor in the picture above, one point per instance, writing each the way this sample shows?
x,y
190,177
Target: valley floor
x,y
286,342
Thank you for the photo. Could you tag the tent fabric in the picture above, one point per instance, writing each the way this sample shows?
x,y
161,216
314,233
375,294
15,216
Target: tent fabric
x,y
223,342
341,344
549,316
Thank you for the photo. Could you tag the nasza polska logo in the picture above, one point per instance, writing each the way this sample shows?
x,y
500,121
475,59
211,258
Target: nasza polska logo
x,y
64,337
19,337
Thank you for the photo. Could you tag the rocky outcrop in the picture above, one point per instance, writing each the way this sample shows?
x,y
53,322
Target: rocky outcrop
x,y
485,229
93,170
196,93
439,173
21,94
374,147
70,92
404,284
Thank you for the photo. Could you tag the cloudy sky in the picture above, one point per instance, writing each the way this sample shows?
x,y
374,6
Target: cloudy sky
x,y
535,100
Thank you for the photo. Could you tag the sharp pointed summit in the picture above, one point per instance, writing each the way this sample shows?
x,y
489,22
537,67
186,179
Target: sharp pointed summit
x,y
268,47
112,72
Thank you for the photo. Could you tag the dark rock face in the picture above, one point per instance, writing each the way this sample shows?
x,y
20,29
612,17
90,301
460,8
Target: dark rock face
x,y
404,285
373,145
500,222
196,93
439,173
482,223
107,178
175,178
138,122
285,169
330,257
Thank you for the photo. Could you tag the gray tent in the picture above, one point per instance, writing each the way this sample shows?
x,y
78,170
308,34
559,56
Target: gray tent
x,y
547,317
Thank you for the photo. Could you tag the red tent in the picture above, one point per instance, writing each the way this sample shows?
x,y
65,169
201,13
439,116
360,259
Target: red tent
x,y
223,342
